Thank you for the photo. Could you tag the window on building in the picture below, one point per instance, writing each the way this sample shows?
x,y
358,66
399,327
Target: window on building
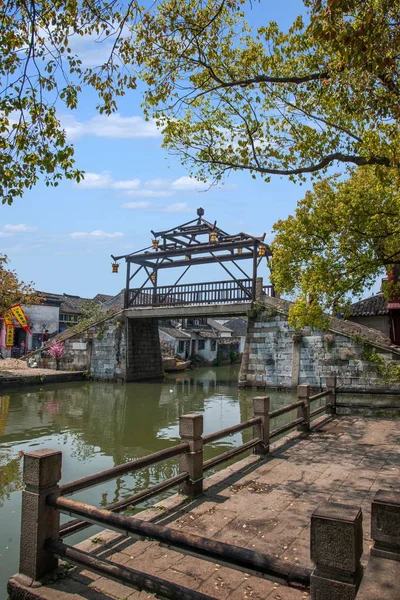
x,y
213,345
69,318
181,347
201,344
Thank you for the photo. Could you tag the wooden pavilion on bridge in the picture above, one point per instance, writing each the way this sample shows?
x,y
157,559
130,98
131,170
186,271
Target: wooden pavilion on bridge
x,y
197,242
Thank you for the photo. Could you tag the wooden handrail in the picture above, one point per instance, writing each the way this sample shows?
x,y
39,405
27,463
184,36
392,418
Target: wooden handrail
x,y
285,409
213,462
207,549
212,437
129,467
76,525
320,395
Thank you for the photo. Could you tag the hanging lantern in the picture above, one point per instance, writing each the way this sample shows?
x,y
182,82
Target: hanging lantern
x,y
187,256
153,276
115,267
240,250
261,251
213,236
154,244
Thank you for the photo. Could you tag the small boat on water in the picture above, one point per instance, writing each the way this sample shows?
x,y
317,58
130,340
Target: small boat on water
x,y
176,366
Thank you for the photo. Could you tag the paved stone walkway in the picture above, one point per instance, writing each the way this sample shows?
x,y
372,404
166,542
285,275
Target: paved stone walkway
x,y
266,505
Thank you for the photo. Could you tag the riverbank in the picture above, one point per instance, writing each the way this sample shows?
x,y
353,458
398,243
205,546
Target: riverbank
x,y
28,377
261,504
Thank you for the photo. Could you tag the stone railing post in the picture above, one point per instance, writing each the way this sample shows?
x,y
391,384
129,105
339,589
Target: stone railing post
x,y
39,521
385,524
191,431
259,288
336,549
331,386
303,395
261,409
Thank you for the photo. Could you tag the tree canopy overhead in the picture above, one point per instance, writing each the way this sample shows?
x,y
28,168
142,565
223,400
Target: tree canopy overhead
x,y
41,74
343,235
227,95
233,97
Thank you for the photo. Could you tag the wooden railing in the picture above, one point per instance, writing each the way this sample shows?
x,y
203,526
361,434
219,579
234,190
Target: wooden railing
x,y
214,292
44,500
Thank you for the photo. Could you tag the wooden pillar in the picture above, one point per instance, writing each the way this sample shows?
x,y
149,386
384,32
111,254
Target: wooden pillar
x,y
191,431
39,522
261,409
253,291
155,287
127,284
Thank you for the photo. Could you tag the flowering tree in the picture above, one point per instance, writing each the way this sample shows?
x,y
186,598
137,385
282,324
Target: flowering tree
x,y
12,290
167,349
56,351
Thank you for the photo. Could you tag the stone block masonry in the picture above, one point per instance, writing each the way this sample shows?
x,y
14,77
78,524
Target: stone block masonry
x,y
128,349
275,355
119,348
143,351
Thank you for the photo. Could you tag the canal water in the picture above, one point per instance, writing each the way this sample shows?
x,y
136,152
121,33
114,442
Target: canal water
x,y
100,425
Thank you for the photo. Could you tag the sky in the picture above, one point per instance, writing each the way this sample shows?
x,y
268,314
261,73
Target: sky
x,y
62,238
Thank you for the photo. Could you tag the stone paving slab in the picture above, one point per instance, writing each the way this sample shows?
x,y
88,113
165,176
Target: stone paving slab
x,y
263,504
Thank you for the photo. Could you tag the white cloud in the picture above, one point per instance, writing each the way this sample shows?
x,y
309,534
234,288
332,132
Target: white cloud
x,y
20,228
189,184
152,188
128,184
113,126
136,205
157,184
104,181
98,181
98,234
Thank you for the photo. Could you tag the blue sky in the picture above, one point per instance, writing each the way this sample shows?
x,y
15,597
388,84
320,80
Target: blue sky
x,y
62,238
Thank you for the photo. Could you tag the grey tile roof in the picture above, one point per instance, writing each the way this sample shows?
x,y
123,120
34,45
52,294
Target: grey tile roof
x,y
218,327
102,298
178,334
207,334
238,326
370,307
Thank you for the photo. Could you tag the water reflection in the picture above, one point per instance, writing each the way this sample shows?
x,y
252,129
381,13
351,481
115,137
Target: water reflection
x,y
97,426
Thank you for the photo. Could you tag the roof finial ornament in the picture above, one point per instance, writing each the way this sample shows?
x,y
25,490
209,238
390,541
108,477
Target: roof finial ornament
x,y
200,211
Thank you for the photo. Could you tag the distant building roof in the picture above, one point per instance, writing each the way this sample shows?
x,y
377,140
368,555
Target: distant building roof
x,y
71,304
205,333
177,334
102,298
218,327
74,304
370,307
238,326
51,299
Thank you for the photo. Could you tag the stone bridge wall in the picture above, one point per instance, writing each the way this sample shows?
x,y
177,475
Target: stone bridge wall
x,y
118,348
277,356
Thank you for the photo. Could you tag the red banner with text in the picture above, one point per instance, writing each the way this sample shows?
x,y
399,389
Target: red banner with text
x,y
20,316
9,336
